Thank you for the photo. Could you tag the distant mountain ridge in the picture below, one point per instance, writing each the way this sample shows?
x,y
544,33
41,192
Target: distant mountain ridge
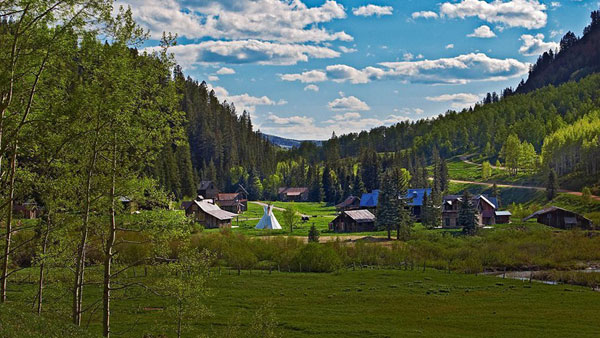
x,y
287,143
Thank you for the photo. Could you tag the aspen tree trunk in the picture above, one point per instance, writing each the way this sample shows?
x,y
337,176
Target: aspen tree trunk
x,y
9,230
110,243
80,264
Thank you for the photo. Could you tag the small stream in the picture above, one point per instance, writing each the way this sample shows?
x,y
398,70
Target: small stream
x,y
527,275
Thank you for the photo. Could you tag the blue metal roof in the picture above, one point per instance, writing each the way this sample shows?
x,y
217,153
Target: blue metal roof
x,y
417,196
369,200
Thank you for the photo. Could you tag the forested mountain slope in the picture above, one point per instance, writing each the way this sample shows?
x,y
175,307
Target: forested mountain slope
x,y
219,145
577,58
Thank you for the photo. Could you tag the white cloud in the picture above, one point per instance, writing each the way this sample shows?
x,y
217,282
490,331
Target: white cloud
x,y
226,71
450,46
349,103
425,15
272,20
528,14
213,78
306,128
408,56
244,101
247,51
371,10
457,70
419,111
555,4
311,87
458,101
306,77
347,50
483,32
535,45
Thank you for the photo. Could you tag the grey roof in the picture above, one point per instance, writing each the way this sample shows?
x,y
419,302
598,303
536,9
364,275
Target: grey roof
x,y
221,215
503,213
215,211
361,216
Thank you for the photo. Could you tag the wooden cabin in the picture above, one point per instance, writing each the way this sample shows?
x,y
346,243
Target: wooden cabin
x,y
353,221
209,214
561,218
293,194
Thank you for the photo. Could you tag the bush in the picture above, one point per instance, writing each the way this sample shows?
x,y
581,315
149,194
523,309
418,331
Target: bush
x,y
317,258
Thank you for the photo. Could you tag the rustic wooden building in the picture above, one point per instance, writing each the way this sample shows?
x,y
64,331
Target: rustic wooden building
x,y
233,202
207,189
209,214
353,221
293,194
350,203
27,210
561,218
486,209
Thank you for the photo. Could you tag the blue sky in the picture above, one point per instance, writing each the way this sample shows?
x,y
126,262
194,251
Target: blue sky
x,y
306,68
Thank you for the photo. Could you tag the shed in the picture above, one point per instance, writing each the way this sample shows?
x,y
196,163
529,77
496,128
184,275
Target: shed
x,y
503,217
561,218
353,221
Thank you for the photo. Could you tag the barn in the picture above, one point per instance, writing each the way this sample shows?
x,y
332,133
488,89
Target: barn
x,y
353,221
560,218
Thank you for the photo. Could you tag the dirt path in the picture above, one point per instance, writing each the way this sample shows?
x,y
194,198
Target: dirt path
x,y
499,185
465,158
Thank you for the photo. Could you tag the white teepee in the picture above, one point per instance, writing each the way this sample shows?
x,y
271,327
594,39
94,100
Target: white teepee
x,y
268,221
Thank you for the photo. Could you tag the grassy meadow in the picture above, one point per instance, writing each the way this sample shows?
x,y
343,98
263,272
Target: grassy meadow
x,y
361,303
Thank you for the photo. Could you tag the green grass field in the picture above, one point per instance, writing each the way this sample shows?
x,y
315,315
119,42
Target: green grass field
x,y
320,215
367,303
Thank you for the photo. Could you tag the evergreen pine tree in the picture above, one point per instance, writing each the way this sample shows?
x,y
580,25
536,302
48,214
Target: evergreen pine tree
x,y
358,188
313,234
552,185
467,215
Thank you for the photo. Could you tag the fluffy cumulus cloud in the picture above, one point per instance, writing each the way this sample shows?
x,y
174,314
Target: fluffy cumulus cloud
x,y
457,70
349,104
247,51
530,14
370,10
244,101
425,15
306,128
311,87
457,101
483,32
226,71
306,77
535,45
450,46
284,21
